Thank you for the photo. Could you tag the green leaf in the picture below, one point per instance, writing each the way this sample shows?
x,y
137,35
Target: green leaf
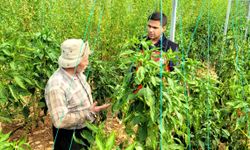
x,y
179,116
237,104
6,146
131,147
127,53
23,144
79,141
7,52
28,81
145,45
167,97
175,146
154,64
92,127
12,92
41,104
2,58
138,147
4,137
153,81
3,94
140,75
153,113
170,82
51,55
38,84
19,82
226,132
152,139
138,118
12,65
110,142
23,100
88,136
142,132
150,102
99,143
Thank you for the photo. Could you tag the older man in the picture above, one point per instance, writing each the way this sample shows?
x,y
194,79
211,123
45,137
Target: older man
x,y
68,96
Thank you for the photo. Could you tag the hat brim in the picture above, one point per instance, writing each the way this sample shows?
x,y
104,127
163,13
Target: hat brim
x,y
69,63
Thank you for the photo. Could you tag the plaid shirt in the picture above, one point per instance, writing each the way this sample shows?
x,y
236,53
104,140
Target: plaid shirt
x,y
68,99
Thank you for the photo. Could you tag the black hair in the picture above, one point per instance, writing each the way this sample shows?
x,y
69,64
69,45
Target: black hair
x,y
157,16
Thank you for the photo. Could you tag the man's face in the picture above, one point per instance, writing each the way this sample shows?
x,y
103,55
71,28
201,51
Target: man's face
x,y
84,62
155,30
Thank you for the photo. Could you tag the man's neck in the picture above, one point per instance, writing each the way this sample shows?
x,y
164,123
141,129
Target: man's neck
x,y
155,41
70,71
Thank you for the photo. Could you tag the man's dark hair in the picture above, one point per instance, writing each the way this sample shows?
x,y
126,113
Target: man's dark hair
x,y
157,17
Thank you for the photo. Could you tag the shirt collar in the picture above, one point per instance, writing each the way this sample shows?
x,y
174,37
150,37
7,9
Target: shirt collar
x,y
161,40
69,76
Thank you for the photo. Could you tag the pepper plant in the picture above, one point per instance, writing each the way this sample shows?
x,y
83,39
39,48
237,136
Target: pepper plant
x,y
26,67
184,115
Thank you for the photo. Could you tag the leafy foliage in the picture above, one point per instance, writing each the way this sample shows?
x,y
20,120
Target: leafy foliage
x,y
14,145
202,105
25,71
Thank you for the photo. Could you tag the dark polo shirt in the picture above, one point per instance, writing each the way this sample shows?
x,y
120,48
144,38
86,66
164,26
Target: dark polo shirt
x,y
166,44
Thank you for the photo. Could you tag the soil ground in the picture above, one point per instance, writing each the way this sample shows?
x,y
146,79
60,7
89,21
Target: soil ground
x,y
39,138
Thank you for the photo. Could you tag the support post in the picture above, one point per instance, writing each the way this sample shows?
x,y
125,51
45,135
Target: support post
x,y
227,16
248,18
173,19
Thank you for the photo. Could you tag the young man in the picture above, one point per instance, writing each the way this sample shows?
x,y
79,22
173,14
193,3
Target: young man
x,y
156,28
68,96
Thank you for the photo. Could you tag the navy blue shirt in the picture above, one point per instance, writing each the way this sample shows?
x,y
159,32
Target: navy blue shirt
x,y
166,44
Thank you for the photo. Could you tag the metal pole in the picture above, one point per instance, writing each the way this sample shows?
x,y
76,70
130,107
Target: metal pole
x,y
227,17
248,18
173,19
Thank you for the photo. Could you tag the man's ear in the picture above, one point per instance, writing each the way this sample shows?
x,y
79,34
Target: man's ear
x,y
163,28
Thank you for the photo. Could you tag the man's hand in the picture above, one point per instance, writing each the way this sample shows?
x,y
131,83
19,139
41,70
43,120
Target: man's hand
x,y
96,109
